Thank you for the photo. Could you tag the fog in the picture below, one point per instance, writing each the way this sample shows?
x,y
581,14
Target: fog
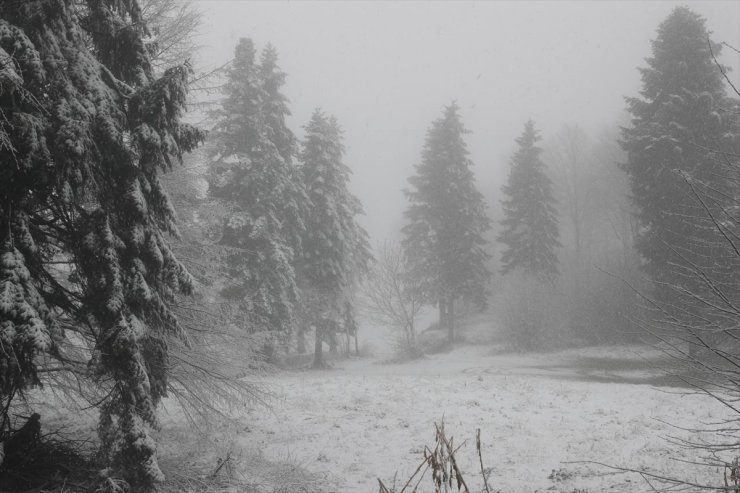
x,y
568,311
386,69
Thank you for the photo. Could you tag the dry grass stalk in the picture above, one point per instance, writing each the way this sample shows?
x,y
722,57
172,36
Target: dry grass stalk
x,y
443,463
734,468
480,458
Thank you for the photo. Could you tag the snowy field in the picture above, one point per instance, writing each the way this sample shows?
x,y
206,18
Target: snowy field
x,y
537,413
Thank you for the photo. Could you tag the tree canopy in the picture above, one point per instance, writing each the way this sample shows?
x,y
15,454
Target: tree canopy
x,y
446,219
87,274
335,247
678,124
253,174
530,224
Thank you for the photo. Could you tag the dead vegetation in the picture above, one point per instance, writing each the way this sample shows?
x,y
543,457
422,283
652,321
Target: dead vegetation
x,y
193,460
442,462
53,461
446,476
210,461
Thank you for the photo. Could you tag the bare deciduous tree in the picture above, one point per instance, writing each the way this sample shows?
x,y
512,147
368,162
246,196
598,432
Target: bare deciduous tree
x,y
174,26
389,299
571,159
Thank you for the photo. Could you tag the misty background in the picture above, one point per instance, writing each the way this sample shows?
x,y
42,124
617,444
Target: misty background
x,y
385,70
192,298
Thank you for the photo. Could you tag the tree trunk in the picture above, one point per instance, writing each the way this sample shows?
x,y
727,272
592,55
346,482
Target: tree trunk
x,y
357,347
318,355
347,349
451,319
411,339
301,341
333,341
442,314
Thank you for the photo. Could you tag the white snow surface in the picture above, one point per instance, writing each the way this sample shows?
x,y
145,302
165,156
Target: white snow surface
x,y
363,420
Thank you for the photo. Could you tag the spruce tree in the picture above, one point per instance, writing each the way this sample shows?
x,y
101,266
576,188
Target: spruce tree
x,y
530,225
254,174
275,105
446,222
335,247
86,271
677,124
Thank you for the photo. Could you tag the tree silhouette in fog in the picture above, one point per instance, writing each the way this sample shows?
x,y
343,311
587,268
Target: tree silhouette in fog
x,y
446,218
530,224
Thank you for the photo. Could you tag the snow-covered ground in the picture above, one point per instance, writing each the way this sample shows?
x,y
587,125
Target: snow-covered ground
x,y
537,413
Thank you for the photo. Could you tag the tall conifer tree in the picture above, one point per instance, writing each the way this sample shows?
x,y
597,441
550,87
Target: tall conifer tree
x,y
86,131
253,173
446,220
275,105
677,124
335,247
530,224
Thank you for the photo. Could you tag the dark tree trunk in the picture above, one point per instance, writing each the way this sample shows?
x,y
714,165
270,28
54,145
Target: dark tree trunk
x,y
301,341
357,347
318,355
333,341
451,319
347,349
442,314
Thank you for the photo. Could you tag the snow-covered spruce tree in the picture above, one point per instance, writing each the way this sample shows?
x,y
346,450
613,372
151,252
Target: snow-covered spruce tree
x,y
677,123
446,220
530,225
85,132
275,105
335,248
253,173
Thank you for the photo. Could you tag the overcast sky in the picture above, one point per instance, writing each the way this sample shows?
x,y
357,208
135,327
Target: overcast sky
x,y
387,69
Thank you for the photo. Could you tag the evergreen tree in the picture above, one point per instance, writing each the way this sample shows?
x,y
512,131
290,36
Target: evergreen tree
x,y
275,105
86,272
530,224
444,241
335,247
254,174
677,124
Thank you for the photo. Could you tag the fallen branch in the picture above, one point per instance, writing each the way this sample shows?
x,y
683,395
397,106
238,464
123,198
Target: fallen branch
x,y
658,477
221,464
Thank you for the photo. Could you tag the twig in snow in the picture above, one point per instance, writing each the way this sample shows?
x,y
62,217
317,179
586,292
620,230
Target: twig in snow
x,y
480,458
221,464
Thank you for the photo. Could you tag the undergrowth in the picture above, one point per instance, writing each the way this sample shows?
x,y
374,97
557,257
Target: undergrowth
x,y
439,469
52,461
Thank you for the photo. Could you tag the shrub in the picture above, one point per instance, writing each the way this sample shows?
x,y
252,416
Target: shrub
x,y
530,314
